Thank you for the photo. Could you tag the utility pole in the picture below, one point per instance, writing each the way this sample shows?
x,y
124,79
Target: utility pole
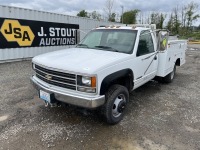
x,y
122,13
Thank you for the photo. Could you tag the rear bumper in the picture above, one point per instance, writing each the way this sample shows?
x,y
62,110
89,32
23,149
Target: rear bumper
x,y
82,101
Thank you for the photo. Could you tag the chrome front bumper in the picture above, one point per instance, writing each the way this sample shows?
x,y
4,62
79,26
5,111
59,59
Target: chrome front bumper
x,y
82,101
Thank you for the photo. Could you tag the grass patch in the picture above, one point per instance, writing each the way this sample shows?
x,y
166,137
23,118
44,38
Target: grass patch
x,y
192,36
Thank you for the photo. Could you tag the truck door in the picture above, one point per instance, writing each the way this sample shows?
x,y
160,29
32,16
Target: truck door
x,y
146,59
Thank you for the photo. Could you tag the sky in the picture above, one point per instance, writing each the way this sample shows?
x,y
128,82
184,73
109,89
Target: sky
x,y
72,7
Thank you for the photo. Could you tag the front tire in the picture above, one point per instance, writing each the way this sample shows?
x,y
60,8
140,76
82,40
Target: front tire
x,y
117,98
169,78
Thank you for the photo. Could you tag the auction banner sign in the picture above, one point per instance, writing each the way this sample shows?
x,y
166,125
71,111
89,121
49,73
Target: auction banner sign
x,y
16,33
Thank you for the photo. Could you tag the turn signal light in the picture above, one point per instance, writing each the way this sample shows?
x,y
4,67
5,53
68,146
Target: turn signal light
x,y
93,83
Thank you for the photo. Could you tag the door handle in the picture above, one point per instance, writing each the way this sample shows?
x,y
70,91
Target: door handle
x,y
155,58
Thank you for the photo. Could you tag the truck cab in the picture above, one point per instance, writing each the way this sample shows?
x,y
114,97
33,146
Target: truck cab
x,y
105,67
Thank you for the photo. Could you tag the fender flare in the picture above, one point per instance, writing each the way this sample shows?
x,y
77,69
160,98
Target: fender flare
x,y
112,78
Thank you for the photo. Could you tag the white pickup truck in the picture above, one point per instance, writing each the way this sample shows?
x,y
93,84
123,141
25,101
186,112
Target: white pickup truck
x,y
105,66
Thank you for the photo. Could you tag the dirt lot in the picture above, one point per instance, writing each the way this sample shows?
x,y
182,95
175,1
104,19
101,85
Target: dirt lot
x,y
160,116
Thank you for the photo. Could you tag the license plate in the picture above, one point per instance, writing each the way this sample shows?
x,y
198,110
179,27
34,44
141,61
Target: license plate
x,y
45,96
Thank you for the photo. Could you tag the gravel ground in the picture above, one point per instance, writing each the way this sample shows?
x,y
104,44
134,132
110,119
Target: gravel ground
x,y
160,116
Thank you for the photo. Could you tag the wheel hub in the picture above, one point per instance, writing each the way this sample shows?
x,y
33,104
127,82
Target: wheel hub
x,y
121,106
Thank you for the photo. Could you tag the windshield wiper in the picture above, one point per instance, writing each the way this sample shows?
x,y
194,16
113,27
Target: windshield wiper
x,y
82,45
107,47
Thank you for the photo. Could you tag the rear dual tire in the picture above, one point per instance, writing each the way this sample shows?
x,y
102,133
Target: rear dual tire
x,y
170,77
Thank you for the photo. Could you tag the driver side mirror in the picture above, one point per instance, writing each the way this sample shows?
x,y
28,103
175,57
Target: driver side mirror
x,y
163,40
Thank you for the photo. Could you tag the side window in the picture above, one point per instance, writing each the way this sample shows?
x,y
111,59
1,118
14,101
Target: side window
x,y
145,45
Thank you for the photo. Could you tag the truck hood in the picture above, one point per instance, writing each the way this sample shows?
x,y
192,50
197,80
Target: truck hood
x,y
79,60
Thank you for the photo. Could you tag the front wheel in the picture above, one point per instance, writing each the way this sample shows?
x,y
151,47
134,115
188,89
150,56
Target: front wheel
x,y
117,98
169,78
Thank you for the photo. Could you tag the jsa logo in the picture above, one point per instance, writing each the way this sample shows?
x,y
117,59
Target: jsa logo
x,y
13,31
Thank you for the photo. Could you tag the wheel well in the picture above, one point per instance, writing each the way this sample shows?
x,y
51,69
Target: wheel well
x,y
178,62
124,81
123,77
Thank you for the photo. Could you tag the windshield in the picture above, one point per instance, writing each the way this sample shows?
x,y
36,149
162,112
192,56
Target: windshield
x,y
116,40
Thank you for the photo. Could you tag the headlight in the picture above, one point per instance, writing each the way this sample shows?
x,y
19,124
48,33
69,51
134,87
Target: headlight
x,y
86,81
86,84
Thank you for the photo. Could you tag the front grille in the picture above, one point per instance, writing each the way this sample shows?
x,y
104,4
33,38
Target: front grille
x,y
61,79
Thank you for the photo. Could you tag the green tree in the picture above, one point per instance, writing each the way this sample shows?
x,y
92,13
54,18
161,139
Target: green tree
x,y
112,17
129,17
198,27
176,21
154,18
109,9
183,16
170,22
158,19
95,15
191,16
162,19
83,13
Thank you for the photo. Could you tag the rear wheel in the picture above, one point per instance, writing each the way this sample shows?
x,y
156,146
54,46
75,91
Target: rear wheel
x,y
117,98
169,78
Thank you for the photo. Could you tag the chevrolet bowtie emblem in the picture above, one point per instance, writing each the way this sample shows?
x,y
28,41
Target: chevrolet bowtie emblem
x,y
48,77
